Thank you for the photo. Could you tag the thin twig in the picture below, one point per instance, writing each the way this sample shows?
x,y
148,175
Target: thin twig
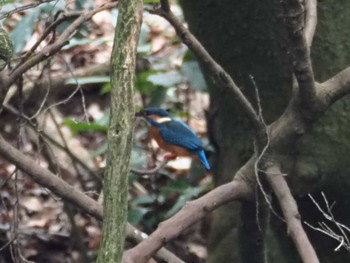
x,y
262,153
150,171
52,48
325,229
46,136
23,8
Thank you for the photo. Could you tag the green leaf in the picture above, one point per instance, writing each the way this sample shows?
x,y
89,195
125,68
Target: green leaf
x,y
177,186
157,97
6,2
88,80
144,200
77,127
142,84
166,79
106,88
6,48
24,29
100,150
84,4
192,71
82,41
186,196
135,215
151,1
138,157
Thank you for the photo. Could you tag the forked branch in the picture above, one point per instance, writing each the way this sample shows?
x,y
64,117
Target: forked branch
x,y
299,47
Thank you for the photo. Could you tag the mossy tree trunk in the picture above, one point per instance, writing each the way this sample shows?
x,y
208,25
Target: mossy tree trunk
x,y
248,38
120,131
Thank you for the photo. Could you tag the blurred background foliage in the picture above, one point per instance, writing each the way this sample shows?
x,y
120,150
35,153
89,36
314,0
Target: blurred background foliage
x,y
167,76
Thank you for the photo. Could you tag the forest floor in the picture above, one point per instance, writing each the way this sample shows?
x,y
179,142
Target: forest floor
x,y
38,226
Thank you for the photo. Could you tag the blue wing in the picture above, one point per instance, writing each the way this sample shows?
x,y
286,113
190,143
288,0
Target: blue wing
x,y
179,133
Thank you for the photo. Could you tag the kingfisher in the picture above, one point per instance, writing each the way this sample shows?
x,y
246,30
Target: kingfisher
x,y
173,134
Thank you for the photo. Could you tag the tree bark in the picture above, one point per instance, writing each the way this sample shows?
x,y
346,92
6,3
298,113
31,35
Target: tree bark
x,y
249,38
120,130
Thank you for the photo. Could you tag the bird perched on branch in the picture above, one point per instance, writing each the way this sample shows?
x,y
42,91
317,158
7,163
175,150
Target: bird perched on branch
x,y
173,134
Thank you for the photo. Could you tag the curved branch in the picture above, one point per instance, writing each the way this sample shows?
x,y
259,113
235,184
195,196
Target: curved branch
x,y
191,213
23,8
217,73
291,214
67,192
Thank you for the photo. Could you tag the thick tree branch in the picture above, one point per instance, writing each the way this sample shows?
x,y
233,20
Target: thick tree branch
x,y
295,22
120,130
335,88
310,21
191,213
291,214
69,193
221,78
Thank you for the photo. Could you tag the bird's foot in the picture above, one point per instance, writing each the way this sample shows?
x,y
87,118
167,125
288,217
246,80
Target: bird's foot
x,y
170,156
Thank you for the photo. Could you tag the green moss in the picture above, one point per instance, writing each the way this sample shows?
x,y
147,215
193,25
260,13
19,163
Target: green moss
x,y
6,48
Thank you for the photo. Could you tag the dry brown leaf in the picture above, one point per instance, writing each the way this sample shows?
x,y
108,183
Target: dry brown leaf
x,y
32,204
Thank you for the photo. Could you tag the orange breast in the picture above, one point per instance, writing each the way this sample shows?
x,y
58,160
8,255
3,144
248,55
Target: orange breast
x,y
178,150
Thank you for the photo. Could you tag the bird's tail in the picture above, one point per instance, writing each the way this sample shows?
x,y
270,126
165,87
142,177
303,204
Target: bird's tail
x,y
203,159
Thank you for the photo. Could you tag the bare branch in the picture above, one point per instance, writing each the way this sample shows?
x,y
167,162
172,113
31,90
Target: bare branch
x,y
342,237
335,88
61,18
191,213
217,73
66,191
51,49
294,16
23,8
291,214
310,20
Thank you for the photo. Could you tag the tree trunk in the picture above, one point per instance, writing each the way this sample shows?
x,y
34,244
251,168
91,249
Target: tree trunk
x,y
248,38
120,131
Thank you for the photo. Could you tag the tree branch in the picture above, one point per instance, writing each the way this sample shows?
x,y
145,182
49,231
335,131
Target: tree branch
x,y
191,213
51,49
23,8
291,214
216,72
335,88
294,16
310,21
69,193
